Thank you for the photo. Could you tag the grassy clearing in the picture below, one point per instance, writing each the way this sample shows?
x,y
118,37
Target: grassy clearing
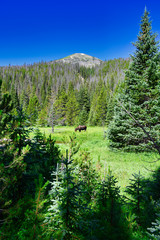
x,y
122,164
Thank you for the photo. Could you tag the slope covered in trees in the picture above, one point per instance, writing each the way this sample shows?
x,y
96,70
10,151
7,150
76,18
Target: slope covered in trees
x,y
45,195
50,92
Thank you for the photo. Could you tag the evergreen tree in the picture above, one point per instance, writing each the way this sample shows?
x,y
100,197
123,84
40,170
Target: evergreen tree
x,y
60,105
64,213
6,107
19,170
83,116
110,109
32,225
88,175
153,231
51,111
136,192
42,117
101,107
25,219
71,106
24,100
110,214
11,171
97,115
15,99
33,108
19,131
83,98
140,95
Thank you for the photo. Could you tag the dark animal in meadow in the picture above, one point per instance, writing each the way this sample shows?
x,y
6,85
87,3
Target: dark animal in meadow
x,y
80,128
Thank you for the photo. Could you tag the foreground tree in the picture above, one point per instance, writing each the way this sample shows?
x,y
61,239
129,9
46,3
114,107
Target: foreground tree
x,y
110,215
65,214
140,96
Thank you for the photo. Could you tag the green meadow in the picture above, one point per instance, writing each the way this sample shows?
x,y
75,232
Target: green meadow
x,y
122,164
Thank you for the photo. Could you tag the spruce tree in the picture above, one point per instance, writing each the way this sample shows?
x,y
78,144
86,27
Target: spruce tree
x,y
136,191
19,132
83,99
60,105
83,116
33,108
14,97
110,109
140,96
64,216
6,107
153,231
71,106
111,219
98,110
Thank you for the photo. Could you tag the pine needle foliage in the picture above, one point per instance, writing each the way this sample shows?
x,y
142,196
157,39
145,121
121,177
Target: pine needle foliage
x,y
88,175
140,95
19,131
6,107
137,198
111,219
154,229
64,218
22,162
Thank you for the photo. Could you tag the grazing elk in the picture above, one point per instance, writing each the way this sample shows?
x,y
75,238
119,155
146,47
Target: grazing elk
x,y
80,128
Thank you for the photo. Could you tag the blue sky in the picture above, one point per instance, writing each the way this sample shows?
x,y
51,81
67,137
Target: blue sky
x,y
35,31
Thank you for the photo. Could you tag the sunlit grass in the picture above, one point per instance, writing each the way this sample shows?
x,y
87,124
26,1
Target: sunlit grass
x,y
122,164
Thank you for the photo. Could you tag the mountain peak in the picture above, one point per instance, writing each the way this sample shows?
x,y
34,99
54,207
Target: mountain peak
x,y
81,59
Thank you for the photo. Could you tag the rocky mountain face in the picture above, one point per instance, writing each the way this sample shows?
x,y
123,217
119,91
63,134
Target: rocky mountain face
x,y
81,59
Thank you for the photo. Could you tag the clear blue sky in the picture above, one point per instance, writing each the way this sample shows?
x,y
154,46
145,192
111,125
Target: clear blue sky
x,y
34,31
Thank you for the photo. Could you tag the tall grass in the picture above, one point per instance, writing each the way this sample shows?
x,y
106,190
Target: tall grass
x,y
122,164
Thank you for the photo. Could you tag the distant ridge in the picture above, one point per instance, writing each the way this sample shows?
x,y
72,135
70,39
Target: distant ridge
x,y
81,59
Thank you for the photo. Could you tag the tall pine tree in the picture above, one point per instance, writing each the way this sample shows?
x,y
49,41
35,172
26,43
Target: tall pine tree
x,y
140,95
71,106
84,104
97,114
60,105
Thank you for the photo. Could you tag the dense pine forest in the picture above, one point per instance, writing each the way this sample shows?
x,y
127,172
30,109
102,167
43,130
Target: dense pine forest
x,y
45,194
64,94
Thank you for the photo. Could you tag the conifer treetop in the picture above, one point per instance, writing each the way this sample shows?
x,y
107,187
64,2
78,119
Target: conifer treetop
x,y
140,95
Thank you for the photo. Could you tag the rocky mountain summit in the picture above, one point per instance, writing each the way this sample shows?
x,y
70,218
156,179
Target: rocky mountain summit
x,y
82,59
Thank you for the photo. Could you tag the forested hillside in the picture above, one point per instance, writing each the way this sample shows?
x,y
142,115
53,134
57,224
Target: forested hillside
x,y
47,193
64,93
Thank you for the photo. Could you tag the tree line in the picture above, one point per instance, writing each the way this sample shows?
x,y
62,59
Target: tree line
x,y
64,94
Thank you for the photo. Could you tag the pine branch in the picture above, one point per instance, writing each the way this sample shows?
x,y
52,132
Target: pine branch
x,y
156,145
